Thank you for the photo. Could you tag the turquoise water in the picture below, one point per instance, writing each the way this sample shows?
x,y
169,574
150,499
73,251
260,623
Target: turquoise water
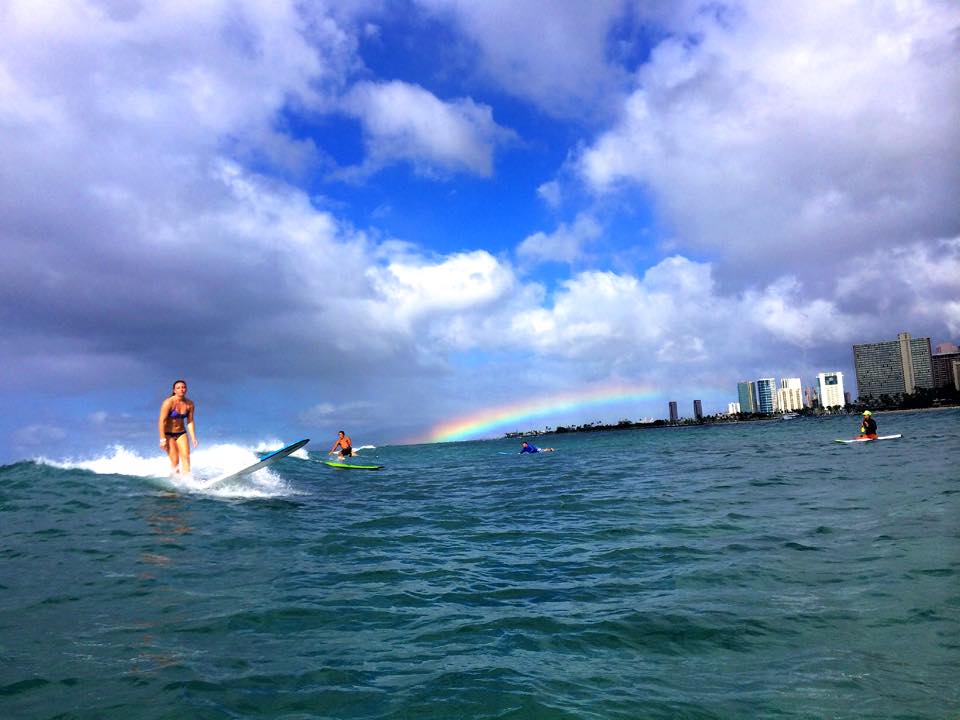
x,y
752,570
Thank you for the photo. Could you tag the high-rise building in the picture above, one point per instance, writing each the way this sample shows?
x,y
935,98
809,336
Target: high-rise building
x,y
831,389
790,395
733,408
766,395
942,365
747,395
894,367
674,417
697,410
810,397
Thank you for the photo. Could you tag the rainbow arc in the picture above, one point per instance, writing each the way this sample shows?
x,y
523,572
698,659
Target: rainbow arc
x,y
488,421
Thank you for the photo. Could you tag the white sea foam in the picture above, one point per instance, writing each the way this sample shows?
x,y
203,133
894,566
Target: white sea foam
x,y
117,460
267,446
207,464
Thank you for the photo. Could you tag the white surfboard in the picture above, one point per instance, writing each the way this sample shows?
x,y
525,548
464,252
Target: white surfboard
x,y
264,461
880,437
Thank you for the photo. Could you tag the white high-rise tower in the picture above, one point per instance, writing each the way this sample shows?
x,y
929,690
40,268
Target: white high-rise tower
x,y
830,386
790,395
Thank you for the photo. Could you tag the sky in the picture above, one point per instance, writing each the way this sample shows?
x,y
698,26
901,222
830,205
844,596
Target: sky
x,y
388,216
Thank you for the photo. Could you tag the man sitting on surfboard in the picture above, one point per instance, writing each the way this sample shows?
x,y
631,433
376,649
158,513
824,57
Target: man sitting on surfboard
x,y
868,428
345,445
529,448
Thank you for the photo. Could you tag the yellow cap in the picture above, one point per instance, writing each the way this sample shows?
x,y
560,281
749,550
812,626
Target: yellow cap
x,y
867,412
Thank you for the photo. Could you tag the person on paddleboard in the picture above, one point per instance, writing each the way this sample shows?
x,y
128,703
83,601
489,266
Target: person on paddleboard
x,y
526,447
177,428
868,427
344,443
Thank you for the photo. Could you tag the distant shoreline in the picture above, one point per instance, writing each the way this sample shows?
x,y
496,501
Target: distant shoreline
x,y
660,423
906,410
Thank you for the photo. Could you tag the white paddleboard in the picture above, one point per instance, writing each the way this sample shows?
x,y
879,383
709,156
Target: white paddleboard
x,y
264,461
879,437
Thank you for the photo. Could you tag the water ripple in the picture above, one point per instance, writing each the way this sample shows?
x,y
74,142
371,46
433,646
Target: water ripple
x,y
743,571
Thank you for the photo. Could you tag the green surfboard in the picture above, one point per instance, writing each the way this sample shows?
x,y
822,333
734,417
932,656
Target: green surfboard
x,y
351,466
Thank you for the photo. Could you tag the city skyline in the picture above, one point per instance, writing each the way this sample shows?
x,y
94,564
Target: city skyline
x,y
889,367
829,389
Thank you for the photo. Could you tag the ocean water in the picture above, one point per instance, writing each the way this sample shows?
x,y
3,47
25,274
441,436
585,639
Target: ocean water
x,y
746,571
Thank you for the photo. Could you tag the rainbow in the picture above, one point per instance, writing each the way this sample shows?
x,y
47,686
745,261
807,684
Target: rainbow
x,y
486,421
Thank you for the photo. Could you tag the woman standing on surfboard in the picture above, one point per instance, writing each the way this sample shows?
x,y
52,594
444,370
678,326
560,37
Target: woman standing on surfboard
x,y
175,425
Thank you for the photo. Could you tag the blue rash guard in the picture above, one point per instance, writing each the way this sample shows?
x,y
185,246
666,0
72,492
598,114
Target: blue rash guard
x,y
529,449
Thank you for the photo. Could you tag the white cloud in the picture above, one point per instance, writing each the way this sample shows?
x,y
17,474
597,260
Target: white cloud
x,y
167,74
551,193
628,318
140,243
125,213
38,435
565,244
404,122
410,290
781,309
473,301
915,284
323,409
552,54
323,414
795,135
675,322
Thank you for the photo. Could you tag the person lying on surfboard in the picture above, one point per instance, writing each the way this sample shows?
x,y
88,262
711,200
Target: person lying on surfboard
x,y
177,428
868,428
345,445
529,448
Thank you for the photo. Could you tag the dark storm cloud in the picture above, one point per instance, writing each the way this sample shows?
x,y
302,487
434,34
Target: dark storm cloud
x,y
128,237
